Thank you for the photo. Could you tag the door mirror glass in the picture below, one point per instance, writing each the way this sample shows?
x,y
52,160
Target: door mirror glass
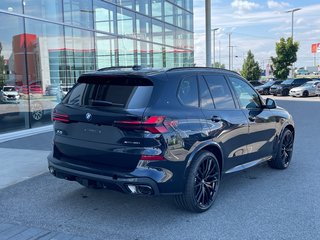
x,y
270,103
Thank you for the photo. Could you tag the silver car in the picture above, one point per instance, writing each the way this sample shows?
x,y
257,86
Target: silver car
x,y
305,90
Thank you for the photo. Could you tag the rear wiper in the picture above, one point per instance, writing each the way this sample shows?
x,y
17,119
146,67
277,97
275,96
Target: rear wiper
x,y
105,103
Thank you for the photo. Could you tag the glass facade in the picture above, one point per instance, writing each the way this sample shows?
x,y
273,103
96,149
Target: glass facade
x,y
45,45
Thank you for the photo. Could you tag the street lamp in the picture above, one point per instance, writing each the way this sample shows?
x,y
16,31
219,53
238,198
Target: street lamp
x,y
208,32
214,45
292,17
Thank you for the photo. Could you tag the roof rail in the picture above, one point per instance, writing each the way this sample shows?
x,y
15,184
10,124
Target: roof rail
x,y
197,68
134,67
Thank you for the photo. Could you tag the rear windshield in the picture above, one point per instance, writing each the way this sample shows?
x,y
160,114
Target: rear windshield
x,y
116,94
289,81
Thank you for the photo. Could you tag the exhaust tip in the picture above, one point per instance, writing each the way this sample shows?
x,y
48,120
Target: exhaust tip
x,y
52,171
140,189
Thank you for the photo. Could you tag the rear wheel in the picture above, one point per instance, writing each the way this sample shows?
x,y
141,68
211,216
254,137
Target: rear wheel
x,y
202,184
285,92
284,154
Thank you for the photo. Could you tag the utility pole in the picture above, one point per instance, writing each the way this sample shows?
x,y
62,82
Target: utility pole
x,y
219,51
232,56
229,50
214,45
208,33
292,22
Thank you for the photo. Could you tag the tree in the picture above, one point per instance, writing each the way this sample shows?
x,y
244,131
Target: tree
x,y
250,68
2,67
219,65
286,51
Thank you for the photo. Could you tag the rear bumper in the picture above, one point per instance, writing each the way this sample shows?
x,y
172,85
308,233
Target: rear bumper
x,y
156,180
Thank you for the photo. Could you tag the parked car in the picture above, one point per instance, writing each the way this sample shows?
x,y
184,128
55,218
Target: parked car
x,y
9,94
285,87
305,90
256,83
33,91
265,88
176,131
52,90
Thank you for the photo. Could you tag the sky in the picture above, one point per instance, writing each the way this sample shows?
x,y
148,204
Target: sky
x,y
257,25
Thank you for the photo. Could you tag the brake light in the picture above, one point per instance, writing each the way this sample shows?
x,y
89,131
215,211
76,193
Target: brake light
x,y
60,117
154,124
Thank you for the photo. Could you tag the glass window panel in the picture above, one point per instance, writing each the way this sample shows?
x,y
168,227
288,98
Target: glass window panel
x,y
78,13
80,55
168,11
14,6
157,31
13,73
179,17
189,5
157,9
206,101
143,27
127,3
158,56
169,35
48,9
44,88
126,52
105,15
105,50
188,91
248,98
144,53
143,6
125,22
169,57
220,92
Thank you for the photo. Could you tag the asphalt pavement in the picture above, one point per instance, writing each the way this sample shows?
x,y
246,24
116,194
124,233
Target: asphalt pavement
x,y
259,203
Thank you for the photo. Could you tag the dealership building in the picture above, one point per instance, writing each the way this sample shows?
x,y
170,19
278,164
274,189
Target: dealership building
x,y
46,44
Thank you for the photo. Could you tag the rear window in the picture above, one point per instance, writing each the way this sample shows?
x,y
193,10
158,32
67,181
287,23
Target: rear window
x,y
118,93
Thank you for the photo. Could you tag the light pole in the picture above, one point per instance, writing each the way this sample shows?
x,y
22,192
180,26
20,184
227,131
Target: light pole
x,y
229,34
214,45
292,22
208,33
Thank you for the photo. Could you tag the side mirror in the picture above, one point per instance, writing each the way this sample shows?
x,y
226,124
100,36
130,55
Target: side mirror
x,y
270,103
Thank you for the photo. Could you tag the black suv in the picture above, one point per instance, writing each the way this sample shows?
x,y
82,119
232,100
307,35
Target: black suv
x,y
285,87
175,131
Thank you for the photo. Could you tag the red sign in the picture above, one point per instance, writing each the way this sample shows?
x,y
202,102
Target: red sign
x,y
315,48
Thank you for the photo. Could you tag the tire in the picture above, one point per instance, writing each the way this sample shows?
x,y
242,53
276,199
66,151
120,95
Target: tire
x,y
36,111
284,153
305,94
199,195
285,92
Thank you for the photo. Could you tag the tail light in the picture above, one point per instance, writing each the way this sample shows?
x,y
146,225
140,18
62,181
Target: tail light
x,y
60,117
154,124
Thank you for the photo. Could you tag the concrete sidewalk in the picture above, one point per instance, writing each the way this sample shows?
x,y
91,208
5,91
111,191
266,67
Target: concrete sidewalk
x,y
24,158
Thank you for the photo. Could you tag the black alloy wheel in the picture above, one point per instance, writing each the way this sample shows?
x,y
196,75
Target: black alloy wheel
x,y
284,155
202,183
285,92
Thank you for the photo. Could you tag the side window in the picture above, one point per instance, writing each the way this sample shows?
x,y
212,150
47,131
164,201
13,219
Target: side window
x,y
188,91
220,91
205,96
247,97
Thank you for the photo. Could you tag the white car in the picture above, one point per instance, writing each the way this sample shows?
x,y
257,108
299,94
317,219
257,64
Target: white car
x,y
305,90
9,94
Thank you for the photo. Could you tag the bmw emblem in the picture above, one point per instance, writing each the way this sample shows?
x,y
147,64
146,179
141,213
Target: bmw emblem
x,y
88,116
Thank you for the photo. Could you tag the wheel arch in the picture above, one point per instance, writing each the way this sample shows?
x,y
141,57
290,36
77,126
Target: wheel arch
x,y
212,147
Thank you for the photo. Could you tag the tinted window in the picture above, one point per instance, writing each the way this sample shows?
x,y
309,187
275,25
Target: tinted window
x,y
247,97
110,95
205,96
188,91
289,81
220,91
300,81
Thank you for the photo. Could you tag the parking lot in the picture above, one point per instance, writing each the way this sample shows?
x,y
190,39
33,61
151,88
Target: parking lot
x,y
259,203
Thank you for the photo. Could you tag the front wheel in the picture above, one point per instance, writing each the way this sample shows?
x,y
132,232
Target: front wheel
x,y
305,94
202,183
284,154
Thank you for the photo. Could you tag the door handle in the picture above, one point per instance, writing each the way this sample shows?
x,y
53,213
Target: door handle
x,y
216,119
252,118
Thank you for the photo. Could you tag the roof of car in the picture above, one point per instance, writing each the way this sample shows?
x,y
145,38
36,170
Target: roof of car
x,y
147,71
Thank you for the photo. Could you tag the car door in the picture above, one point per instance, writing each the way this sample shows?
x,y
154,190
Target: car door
x,y
262,131
226,123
